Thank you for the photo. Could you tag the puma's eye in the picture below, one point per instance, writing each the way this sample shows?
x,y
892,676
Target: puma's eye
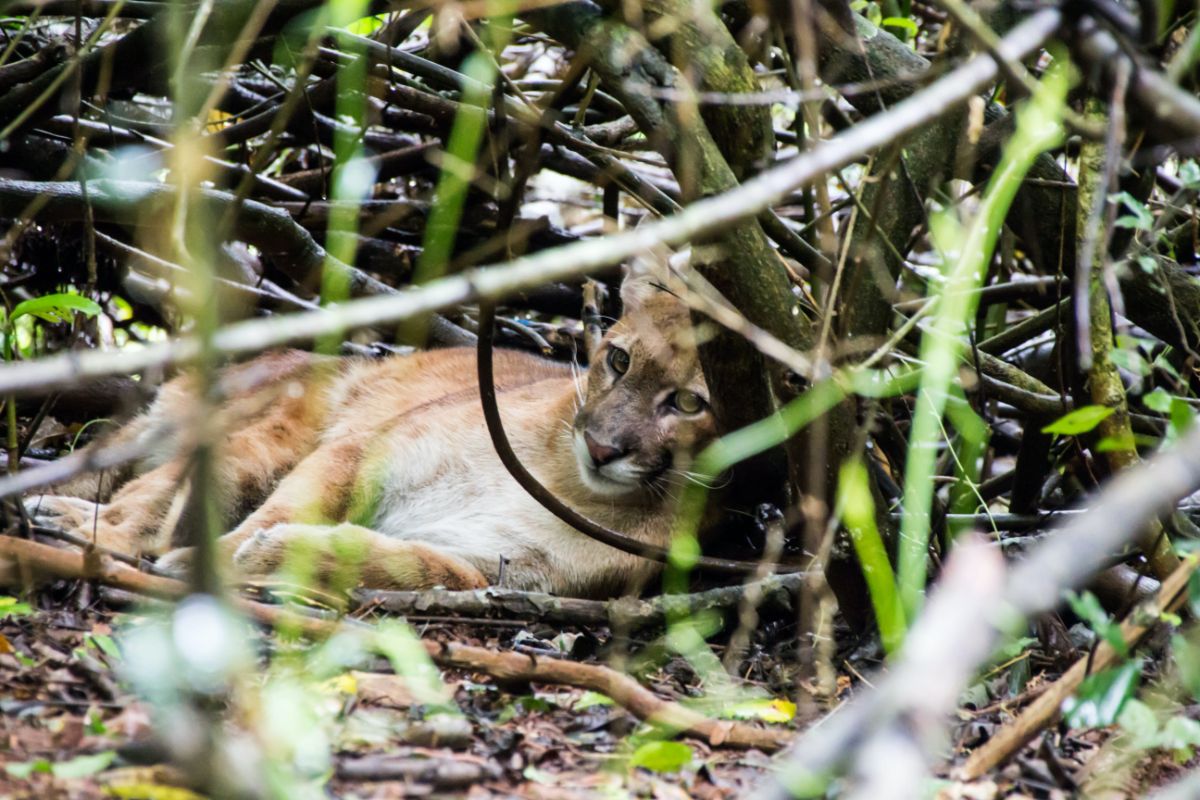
x,y
688,402
618,359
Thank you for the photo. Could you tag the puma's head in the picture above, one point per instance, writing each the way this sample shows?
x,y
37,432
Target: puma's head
x,y
646,410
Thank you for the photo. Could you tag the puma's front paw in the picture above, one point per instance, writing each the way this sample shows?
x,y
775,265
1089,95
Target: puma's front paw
x,y
178,562
58,511
261,554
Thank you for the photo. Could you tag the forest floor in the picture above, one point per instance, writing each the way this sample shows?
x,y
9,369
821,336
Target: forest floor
x,y
71,726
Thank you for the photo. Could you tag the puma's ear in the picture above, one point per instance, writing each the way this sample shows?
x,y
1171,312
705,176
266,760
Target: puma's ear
x,y
640,283
647,275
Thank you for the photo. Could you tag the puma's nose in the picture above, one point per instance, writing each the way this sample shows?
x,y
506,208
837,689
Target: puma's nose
x,y
601,453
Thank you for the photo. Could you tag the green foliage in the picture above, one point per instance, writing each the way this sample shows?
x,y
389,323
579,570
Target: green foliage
x,y
526,704
766,709
12,607
1101,697
1158,400
966,251
901,23
51,308
857,510
1179,734
662,756
55,308
1186,654
1088,608
1140,218
396,642
1180,413
967,449
78,767
590,699
1012,649
1080,421
1189,174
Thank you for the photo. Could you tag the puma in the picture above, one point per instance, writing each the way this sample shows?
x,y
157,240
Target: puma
x,y
388,463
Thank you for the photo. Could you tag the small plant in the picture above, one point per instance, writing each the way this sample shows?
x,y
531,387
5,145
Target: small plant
x,y
52,308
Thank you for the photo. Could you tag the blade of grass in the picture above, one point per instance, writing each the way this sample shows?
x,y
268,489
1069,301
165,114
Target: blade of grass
x,y
856,507
458,160
352,176
968,252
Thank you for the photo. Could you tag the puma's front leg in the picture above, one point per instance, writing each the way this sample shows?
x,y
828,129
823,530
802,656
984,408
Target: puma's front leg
x,y
317,491
344,556
134,522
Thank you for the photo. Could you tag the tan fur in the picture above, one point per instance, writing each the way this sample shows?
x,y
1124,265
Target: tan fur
x,y
390,461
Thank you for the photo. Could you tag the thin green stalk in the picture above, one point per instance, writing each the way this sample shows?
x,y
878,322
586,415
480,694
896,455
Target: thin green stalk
x,y
10,402
351,178
458,168
459,158
856,508
973,435
1039,128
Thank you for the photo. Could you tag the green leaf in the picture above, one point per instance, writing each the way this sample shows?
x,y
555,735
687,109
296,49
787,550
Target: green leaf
x,y
533,704
857,508
105,644
975,696
765,708
1140,722
662,756
12,607
1088,608
1081,420
94,723
592,699
1182,415
1159,400
904,23
1193,598
1189,173
1130,359
26,768
1141,217
78,767
1179,732
55,307
1011,649
1101,697
83,766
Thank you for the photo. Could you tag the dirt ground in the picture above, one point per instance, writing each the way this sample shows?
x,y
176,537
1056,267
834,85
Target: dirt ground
x,y
72,726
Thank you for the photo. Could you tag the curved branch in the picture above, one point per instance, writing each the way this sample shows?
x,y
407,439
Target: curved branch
x,y
20,559
588,527
272,230
703,217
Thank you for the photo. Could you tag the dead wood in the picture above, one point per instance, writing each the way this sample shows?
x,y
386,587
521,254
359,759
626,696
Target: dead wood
x,y
442,774
22,561
630,612
570,261
1045,710
957,642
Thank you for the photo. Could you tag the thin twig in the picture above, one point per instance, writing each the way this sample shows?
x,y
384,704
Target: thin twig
x,y
570,261
19,557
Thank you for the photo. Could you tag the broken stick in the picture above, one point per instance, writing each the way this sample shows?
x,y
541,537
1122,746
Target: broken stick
x,y
22,560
